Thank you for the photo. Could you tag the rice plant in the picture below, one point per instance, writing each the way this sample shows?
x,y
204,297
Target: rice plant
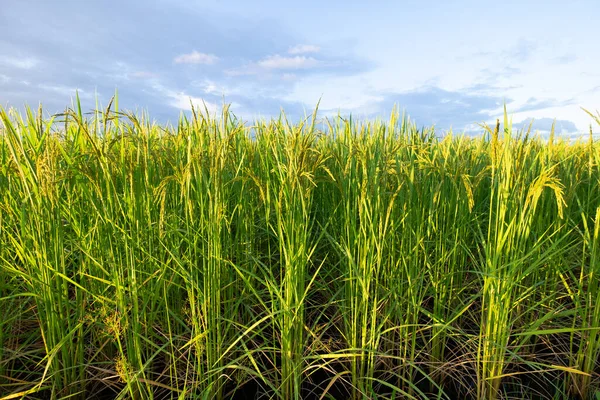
x,y
326,259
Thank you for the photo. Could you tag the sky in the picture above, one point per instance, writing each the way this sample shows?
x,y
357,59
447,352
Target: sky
x,y
452,64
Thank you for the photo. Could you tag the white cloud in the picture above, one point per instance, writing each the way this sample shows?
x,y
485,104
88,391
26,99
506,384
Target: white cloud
x,y
21,63
196,57
288,77
250,69
4,78
142,75
184,101
304,48
220,88
276,63
572,112
281,62
336,92
66,91
209,87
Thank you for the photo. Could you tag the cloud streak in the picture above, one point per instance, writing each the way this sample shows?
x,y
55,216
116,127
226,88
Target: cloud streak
x,y
304,49
20,63
142,75
544,125
533,104
184,101
276,62
196,57
522,51
282,62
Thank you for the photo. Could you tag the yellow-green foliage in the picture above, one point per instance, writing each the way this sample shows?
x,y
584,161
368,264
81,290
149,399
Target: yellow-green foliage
x,y
335,259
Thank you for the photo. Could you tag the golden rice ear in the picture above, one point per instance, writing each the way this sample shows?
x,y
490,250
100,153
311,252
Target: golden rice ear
x,y
595,117
552,130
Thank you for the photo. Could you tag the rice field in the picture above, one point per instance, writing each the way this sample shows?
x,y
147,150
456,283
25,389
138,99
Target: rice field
x,y
330,259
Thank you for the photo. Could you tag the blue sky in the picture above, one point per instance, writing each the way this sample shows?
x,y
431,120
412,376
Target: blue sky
x,y
451,63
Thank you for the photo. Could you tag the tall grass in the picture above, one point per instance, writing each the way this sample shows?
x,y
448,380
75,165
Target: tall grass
x,y
323,259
